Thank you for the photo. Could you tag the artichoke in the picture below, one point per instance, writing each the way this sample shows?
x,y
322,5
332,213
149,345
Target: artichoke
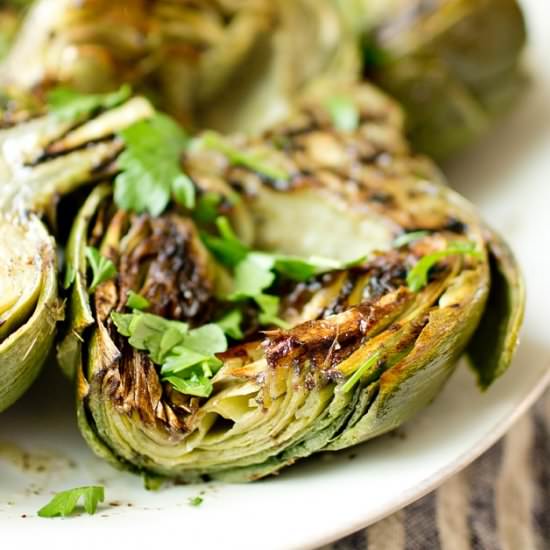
x,y
29,307
233,66
42,160
317,295
453,64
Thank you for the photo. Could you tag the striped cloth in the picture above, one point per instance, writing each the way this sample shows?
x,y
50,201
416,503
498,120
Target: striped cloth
x,y
501,502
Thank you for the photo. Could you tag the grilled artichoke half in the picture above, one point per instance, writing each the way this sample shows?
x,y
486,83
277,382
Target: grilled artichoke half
x,y
42,159
364,344
29,307
453,64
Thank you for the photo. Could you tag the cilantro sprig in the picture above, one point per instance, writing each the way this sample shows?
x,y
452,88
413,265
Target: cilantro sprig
x,y
151,174
102,268
68,105
65,503
417,277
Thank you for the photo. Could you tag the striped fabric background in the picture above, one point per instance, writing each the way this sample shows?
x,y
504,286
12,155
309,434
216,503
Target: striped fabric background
x,y
501,502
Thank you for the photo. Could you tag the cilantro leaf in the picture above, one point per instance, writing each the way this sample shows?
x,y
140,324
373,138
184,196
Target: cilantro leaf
x,y
417,277
103,269
67,104
253,161
64,503
136,301
150,167
227,248
407,238
344,113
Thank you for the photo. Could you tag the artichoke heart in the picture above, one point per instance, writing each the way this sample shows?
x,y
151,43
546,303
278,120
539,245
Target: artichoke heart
x,y
28,304
357,279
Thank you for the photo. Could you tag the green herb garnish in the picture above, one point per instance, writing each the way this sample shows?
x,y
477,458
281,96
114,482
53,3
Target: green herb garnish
x,y
408,238
417,277
136,301
68,104
196,501
230,323
150,167
186,357
65,503
358,374
344,113
253,161
103,269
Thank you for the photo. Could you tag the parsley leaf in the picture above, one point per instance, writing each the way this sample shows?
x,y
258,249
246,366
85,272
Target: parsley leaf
x,y
186,357
206,208
230,323
135,301
417,277
228,248
64,503
150,167
344,113
103,269
253,161
67,104
407,238
196,501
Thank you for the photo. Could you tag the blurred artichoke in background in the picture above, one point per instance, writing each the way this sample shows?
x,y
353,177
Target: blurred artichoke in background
x,y
314,288
11,14
453,64
240,66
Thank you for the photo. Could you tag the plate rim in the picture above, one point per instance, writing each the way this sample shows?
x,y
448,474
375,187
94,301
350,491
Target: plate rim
x,y
435,480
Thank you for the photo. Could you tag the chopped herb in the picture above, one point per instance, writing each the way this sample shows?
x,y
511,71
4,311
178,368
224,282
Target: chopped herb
x,y
150,333
252,161
408,238
252,276
153,482
150,167
136,301
344,113
230,323
196,501
67,104
227,248
65,503
358,374
186,357
206,208
103,269
417,278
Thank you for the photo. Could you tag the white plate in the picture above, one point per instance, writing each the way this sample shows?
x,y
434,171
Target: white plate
x,y
321,499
